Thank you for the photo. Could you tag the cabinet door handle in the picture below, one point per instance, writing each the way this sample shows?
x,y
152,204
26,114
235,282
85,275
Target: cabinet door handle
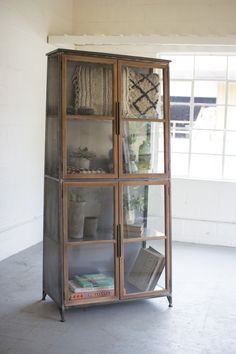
x,y
118,118
119,240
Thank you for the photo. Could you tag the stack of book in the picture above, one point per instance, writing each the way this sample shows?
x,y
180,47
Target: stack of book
x,y
133,230
146,269
90,286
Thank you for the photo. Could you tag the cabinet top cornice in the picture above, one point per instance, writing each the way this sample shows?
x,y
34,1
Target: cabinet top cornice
x,y
105,55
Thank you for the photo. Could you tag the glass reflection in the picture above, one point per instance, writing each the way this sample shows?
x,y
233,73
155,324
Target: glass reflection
x,y
143,211
143,147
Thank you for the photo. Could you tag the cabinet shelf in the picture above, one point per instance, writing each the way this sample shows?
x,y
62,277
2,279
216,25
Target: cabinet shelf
x,y
89,242
143,120
85,117
107,179
139,239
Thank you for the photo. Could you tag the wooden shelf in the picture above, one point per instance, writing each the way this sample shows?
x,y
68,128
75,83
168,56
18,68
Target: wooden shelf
x,y
89,242
143,120
85,117
140,239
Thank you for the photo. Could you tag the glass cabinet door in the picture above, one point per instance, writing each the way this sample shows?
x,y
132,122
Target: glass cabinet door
x,y
89,117
90,239
143,113
144,238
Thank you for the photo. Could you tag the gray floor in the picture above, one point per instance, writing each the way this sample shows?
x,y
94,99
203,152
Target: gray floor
x,y
203,319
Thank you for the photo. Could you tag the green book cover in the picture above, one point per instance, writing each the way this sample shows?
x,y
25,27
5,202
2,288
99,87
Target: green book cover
x,y
83,282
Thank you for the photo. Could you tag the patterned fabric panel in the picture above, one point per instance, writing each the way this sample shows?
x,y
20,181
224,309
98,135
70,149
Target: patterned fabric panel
x,y
93,88
141,94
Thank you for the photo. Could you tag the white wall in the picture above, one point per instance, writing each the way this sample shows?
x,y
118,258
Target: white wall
x,y
24,26
162,17
204,211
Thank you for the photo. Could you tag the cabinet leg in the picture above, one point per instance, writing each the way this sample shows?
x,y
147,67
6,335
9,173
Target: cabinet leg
x,y
62,313
169,298
44,296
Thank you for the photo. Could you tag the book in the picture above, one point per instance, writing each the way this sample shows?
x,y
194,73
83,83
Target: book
x,y
133,230
159,269
91,294
147,269
94,280
75,288
134,227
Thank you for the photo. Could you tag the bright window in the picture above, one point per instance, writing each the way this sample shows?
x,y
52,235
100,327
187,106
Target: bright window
x,y
203,116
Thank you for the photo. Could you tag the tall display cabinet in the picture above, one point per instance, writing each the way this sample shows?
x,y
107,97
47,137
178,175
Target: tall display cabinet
x,y
107,232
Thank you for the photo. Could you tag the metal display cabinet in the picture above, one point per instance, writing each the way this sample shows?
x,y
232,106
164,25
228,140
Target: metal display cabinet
x,y
107,233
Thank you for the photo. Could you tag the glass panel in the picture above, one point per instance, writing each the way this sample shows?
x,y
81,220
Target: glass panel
x,y
212,67
181,66
143,211
232,68
91,272
207,141
209,92
144,266
142,90
89,88
90,213
232,93
52,147
53,86
230,143
209,117
229,167
143,147
206,166
90,147
51,209
231,118
179,164
180,91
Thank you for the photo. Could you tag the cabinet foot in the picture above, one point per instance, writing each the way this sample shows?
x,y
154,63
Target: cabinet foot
x,y
62,313
169,298
44,295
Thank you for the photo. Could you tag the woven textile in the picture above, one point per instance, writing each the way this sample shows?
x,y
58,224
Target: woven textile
x,y
140,94
93,88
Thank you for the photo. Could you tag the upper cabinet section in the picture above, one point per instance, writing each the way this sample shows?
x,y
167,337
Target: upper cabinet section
x,y
113,116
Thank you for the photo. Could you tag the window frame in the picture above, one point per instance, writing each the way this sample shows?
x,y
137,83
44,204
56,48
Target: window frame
x,y
191,129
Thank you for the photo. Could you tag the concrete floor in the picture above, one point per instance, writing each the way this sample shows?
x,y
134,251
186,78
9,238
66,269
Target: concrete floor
x,y
203,319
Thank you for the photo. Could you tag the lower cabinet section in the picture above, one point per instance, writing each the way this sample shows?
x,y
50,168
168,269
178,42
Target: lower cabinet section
x,y
114,242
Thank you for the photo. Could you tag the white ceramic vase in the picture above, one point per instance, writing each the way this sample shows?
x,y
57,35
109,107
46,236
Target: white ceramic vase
x,y
76,219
